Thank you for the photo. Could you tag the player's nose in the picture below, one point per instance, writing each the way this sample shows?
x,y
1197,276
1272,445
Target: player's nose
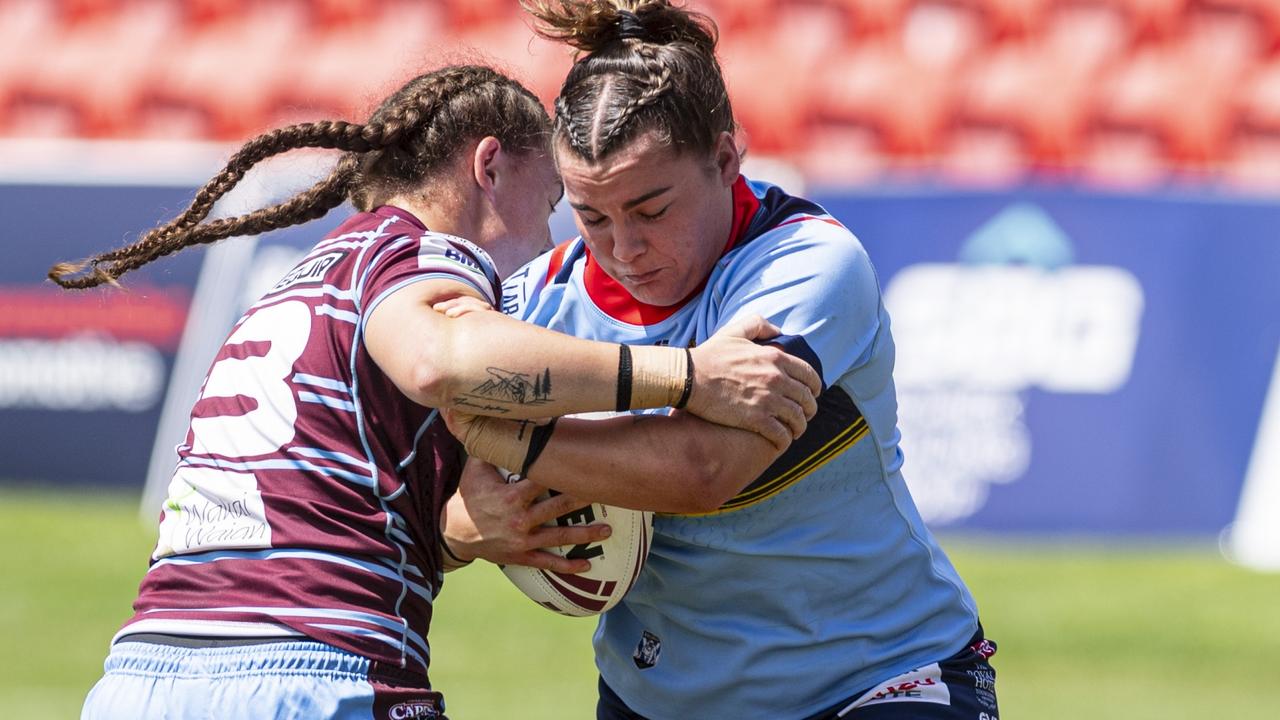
x,y
628,244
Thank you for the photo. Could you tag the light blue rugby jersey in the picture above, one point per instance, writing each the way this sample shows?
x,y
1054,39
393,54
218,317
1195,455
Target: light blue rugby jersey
x,y
819,579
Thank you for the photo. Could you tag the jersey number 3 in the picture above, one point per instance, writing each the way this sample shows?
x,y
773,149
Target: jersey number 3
x,y
246,406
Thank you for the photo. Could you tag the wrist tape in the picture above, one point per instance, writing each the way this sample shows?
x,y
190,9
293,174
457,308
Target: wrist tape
x,y
660,377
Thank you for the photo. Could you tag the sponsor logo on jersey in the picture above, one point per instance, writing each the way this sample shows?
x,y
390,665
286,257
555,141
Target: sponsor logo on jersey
x,y
310,271
648,650
458,257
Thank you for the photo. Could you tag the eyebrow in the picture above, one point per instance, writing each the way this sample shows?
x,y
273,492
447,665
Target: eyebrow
x,y
628,204
560,194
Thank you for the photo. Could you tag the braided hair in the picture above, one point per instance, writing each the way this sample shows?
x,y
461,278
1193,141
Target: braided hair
x,y
413,134
642,65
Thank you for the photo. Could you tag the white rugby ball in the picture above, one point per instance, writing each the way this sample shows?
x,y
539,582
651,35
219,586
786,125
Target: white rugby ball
x,y
616,562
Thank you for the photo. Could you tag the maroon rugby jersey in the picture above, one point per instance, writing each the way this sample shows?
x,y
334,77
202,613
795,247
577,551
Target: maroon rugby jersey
x,y
307,493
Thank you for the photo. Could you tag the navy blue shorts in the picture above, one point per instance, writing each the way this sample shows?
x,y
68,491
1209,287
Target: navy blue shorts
x,y
961,687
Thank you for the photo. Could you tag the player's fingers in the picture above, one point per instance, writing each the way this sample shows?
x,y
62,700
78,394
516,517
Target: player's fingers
x,y
548,537
542,511
526,491
750,327
550,561
791,415
798,393
772,429
802,371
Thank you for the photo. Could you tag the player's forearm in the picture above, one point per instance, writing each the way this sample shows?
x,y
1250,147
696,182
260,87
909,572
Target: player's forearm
x,y
674,464
489,364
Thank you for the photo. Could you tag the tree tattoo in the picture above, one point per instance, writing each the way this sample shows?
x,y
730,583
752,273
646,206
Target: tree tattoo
x,y
509,387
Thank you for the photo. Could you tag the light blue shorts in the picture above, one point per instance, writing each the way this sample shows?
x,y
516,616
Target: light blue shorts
x,y
147,681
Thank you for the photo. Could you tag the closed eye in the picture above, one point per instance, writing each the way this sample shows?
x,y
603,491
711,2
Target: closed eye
x,y
657,215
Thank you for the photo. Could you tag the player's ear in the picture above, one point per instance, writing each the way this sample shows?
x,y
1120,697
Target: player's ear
x,y
485,163
727,159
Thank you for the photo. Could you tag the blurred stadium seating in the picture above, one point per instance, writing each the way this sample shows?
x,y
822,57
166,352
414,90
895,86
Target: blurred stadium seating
x,y
1124,93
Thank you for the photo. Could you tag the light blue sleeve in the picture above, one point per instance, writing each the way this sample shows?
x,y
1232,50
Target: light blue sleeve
x,y
520,291
812,279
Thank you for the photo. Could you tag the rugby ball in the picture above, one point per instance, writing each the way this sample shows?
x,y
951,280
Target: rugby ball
x,y
616,562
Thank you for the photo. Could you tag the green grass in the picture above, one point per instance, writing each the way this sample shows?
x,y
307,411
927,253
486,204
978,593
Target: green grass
x,y
1085,630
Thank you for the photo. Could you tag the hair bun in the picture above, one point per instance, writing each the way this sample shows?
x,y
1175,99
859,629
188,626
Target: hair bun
x,y
630,26
595,25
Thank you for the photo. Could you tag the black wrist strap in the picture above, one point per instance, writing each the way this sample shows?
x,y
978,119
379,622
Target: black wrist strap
x,y
537,443
444,545
688,380
624,378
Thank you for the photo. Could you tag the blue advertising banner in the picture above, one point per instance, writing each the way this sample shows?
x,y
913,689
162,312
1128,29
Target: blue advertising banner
x,y
1072,362
1067,362
84,374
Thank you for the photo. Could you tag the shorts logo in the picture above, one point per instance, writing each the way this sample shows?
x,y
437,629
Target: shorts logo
x,y
647,651
413,710
984,647
923,685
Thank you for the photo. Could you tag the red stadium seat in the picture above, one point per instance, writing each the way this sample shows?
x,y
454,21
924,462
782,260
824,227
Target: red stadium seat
x,y
465,14
771,98
1265,12
734,15
342,71
224,76
77,11
208,12
943,34
1030,94
1259,101
1154,18
875,17
338,13
95,79
540,64
1253,158
1088,34
1014,18
1224,41
25,28
842,155
1163,95
879,87
1253,163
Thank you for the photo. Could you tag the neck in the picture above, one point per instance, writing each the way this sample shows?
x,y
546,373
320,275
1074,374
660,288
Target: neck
x,y
439,216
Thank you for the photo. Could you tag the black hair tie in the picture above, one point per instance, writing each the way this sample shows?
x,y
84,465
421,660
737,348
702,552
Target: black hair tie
x,y
630,27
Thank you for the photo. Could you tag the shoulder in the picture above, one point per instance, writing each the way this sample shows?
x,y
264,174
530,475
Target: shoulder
x,y
790,235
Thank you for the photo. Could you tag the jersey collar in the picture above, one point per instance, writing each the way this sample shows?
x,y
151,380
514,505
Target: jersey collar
x,y
613,299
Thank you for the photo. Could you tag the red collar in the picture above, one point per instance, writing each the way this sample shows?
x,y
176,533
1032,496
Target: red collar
x,y
611,297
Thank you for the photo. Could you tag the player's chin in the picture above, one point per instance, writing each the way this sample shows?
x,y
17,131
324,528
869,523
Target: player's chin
x,y
657,293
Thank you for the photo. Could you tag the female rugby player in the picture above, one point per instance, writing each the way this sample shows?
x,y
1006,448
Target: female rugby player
x,y
300,542
807,586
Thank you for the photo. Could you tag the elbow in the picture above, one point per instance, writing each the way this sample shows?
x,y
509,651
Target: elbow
x,y
709,483
433,381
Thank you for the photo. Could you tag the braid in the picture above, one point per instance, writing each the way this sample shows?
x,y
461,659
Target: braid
x,y
567,121
656,82
640,66
308,205
185,230
411,134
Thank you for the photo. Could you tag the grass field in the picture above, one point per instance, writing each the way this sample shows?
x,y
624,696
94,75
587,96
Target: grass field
x,y
1085,630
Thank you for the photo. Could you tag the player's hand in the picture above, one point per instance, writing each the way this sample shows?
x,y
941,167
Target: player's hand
x,y
501,522
743,384
458,422
462,305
